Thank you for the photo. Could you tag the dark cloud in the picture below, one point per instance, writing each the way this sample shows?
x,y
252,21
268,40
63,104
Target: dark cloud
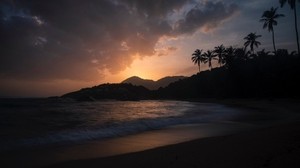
x,y
208,16
157,8
78,39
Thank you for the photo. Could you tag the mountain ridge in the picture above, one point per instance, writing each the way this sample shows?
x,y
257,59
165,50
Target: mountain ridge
x,y
151,84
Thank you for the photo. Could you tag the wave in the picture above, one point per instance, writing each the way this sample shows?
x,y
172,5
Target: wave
x,y
202,114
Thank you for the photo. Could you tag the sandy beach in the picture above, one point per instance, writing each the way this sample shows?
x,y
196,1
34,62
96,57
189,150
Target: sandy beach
x,y
277,146
266,135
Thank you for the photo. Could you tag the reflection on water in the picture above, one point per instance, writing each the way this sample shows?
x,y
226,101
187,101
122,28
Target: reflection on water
x,y
117,111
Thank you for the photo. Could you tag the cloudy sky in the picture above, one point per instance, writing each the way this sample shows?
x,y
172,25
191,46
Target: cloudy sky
x,y
51,47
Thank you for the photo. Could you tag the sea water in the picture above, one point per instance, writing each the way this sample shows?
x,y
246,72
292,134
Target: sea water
x,y
26,123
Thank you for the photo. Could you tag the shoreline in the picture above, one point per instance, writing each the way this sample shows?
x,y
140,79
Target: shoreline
x,y
256,115
275,146
51,155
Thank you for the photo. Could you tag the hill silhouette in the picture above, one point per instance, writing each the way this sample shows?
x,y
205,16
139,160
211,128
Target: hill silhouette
x,y
121,91
151,84
244,75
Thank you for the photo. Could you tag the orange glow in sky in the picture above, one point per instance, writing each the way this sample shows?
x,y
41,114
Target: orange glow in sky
x,y
52,53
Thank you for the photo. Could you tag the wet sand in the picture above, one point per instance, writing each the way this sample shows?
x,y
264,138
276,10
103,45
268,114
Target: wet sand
x,y
41,157
273,147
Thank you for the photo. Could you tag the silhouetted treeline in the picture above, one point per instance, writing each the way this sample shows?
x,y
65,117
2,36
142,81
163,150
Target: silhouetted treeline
x,y
244,75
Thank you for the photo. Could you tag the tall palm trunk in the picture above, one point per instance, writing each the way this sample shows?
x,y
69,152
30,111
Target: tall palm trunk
x,y
296,28
273,41
199,66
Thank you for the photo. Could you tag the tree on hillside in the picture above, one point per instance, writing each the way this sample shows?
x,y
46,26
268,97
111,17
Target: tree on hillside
x,y
197,58
292,4
241,54
229,56
220,52
251,41
208,57
269,19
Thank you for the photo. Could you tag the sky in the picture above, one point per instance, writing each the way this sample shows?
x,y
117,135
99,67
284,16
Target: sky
x,y
51,47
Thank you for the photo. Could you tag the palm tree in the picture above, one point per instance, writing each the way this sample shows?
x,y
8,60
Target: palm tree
x,y
220,52
197,57
229,56
269,18
292,4
229,51
251,40
208,57
241,54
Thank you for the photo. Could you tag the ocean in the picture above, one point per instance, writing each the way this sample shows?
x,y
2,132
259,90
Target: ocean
x,y
28,123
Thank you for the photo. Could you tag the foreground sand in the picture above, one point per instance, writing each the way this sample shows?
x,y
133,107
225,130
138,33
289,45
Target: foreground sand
x,y
277,146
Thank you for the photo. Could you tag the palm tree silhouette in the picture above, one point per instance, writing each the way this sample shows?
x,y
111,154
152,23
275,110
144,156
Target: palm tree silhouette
x,y
292,4
229,51
241,54
220,52
251,41
229,56
208,57
269,18
197,58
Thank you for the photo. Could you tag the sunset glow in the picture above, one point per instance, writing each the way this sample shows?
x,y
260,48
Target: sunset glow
x,y
67,46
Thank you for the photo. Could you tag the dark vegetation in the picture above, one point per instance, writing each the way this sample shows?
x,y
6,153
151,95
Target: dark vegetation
x,y
122,91
241,73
